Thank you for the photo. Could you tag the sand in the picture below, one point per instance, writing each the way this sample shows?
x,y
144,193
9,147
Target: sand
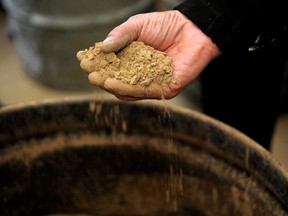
x,y
137,65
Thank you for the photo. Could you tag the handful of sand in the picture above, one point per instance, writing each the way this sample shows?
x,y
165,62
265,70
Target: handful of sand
x,y
137,70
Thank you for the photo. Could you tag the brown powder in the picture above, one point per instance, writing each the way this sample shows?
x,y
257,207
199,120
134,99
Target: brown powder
x,y
136,64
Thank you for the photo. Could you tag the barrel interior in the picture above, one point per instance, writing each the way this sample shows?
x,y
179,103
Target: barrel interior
x,y
103,162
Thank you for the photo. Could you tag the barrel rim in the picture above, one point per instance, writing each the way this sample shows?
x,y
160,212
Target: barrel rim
x,y
267,170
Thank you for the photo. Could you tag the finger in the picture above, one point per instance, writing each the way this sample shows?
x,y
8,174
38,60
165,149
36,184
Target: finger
x,y
136,91
97,79
114,44
80,55
88,66
127,98
122,35
120,88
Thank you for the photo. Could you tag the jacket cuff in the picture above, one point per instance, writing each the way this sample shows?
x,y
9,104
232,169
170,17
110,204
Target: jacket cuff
x,y
209,20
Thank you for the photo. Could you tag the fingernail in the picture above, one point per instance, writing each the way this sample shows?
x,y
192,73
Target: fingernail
x,y
107,40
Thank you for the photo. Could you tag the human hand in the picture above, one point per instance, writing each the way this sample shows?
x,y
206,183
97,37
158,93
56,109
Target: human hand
x,y
170,32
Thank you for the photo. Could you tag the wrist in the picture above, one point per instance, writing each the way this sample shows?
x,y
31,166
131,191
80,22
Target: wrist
x,y
210,21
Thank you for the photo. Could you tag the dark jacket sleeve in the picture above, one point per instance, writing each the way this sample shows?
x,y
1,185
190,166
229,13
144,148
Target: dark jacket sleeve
x,y
238,24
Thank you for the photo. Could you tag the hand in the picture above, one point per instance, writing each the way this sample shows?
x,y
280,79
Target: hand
x,y
170,32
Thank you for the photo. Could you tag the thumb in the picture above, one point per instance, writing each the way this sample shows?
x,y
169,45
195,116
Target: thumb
x,y
120,36
111,44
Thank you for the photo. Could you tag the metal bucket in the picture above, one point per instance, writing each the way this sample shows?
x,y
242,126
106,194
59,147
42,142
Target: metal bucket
x,y
85,156
48,34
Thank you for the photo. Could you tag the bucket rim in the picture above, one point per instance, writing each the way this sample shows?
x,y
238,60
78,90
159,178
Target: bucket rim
x,y
71,23
271,173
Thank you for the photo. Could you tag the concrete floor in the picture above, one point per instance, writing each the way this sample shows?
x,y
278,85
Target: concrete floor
x,y
17,87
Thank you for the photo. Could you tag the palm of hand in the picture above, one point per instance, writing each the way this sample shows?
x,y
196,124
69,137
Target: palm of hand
x,y
171,32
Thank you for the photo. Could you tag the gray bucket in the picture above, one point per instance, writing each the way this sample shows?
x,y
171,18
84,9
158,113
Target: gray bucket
x,y
169,4
48,33
90,157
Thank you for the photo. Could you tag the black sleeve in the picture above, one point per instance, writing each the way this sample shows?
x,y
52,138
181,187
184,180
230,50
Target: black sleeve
x,y
237,24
